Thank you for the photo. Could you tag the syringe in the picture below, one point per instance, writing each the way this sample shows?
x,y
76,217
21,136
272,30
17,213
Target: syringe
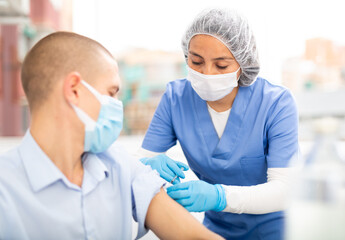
x,y
176,176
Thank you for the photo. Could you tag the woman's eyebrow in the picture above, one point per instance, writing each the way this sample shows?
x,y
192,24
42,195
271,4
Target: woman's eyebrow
x,y
223,58
214,59
195,54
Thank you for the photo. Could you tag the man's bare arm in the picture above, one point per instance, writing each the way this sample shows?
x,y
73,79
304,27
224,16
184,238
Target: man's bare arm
x,y
169,220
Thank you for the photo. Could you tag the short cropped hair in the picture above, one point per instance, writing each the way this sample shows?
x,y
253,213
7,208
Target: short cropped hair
x,y
54,57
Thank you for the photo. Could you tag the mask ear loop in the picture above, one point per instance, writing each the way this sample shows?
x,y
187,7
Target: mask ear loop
x,y
89,123
94,92
237,72
103,99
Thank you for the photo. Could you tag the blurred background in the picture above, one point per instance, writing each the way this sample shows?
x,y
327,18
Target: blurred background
x,y
301,45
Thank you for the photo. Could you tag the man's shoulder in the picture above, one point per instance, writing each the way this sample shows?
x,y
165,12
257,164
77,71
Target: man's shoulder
x,y
10,161
114,155
117,158
12,173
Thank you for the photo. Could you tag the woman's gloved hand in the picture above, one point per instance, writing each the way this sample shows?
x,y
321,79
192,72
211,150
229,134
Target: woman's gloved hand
x,y
166,167
198,196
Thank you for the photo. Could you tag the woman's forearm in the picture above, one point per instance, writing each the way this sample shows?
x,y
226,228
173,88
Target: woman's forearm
x,y
263,198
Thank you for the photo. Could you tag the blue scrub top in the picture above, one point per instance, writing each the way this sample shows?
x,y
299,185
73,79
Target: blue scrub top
x,y
261,133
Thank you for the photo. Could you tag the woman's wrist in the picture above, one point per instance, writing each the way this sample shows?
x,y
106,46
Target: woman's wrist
x,y
221,198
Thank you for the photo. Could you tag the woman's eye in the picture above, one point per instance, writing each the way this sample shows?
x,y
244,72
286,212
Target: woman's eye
x,y
196,63
222,67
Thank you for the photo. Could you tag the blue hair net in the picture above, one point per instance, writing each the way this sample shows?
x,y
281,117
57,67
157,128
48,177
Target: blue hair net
x,y
233,30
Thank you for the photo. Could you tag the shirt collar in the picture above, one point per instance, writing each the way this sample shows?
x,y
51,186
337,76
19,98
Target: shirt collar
x,y
95,166
94,172
42,172
40,169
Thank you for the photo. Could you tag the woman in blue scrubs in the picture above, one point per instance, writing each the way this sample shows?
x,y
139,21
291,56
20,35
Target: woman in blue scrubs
x,y
238,131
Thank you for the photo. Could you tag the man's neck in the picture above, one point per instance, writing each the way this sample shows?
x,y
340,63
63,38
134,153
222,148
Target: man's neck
x,y
61,143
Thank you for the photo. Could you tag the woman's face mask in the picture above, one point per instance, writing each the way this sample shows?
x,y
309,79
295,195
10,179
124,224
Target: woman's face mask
x,y
212,87
100,134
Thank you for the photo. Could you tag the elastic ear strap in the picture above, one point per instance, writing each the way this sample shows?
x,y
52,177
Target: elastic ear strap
x,y
89,123
237,72
93,91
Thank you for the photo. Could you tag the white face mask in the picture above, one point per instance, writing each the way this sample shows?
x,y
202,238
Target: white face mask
x,y
212,87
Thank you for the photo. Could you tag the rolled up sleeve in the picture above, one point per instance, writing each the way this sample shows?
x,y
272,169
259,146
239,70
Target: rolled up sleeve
x,y
145,185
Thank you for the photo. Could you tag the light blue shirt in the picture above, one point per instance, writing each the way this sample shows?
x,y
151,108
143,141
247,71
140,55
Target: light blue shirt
x,y
38,202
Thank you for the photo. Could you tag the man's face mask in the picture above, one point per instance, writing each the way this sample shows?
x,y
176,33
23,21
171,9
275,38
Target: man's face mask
x,y
100,134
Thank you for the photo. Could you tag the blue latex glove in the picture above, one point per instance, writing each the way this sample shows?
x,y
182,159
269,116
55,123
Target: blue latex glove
x,y
198,196
166,167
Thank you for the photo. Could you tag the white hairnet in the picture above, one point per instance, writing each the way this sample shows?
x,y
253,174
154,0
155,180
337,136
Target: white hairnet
x,y
233,30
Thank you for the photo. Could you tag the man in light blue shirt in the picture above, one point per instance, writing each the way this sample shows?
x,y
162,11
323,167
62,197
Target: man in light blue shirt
x,y
35,196
66,180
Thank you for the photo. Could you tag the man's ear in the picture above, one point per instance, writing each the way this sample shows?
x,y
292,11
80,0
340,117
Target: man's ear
x,y
72,87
